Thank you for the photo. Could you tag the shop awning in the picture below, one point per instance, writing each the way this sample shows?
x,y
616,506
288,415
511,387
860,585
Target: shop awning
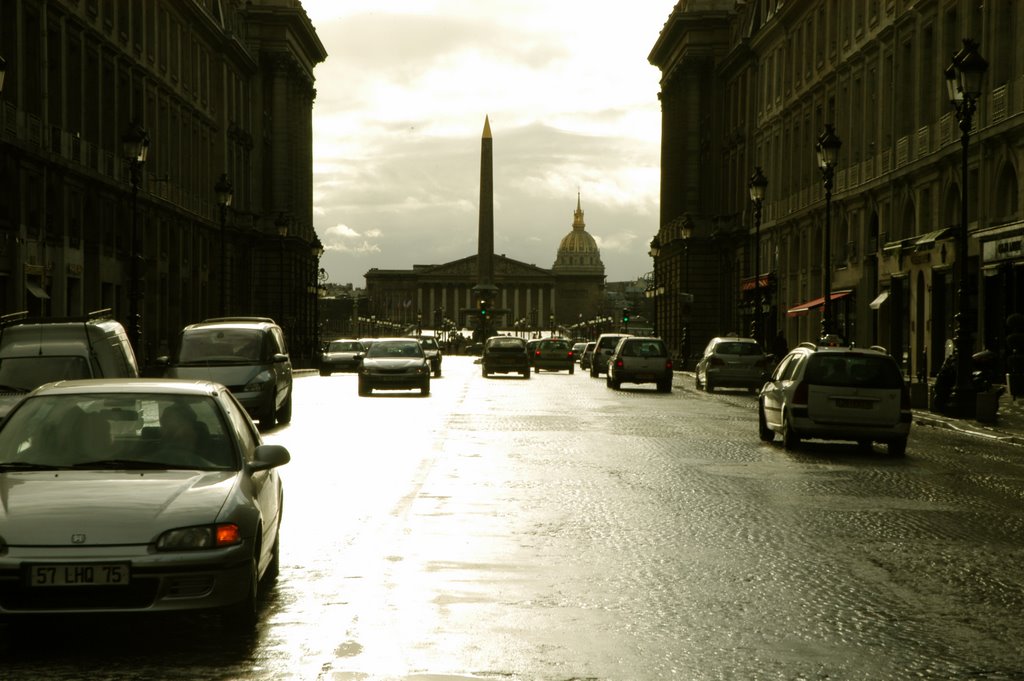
x,y
881,298
803,308
764,281
35,290
921,240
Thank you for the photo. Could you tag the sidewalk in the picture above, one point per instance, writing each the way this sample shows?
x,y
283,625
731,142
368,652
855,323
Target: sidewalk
x,y
1008,427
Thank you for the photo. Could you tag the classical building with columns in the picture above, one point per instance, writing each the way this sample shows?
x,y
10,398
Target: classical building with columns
x,y
529,297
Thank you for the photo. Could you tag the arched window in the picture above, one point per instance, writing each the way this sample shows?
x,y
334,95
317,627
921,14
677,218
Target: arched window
x,y
1007,203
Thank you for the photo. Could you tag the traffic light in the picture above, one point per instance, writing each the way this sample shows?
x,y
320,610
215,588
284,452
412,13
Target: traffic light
x,y
625,315
483,308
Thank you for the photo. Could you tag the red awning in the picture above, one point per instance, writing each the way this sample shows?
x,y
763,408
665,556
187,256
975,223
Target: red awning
x,y
803,308
748,283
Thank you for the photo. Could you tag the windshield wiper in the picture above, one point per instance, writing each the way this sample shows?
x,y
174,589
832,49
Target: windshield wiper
x,y
123,463
27,466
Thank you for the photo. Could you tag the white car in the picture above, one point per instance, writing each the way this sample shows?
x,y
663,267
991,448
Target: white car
x,y
640,359
136,495
836,393
603,349
731,362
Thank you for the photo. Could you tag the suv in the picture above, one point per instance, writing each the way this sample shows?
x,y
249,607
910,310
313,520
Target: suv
x,y
836,393
248,355
504,355
640,359
731,362
553,354
34,351
606,343
433,352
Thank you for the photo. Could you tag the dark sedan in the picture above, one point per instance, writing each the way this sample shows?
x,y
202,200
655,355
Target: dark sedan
x,y
505,355
394,364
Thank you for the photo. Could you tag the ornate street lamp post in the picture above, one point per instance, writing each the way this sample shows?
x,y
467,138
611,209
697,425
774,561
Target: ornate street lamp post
x,y
224,192
828,154
653,293
963,80
757,185
135,148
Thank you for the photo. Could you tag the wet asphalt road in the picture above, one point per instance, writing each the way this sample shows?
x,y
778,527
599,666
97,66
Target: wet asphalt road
x,y
554,529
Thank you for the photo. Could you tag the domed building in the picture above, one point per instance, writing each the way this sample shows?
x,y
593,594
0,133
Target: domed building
x,y
572,291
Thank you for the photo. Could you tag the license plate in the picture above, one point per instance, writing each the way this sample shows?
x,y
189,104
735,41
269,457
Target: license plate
x,y
853,404
80,574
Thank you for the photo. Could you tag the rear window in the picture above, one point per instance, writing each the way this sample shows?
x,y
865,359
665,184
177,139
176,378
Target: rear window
x,y
345,346
216,344
853,370
608,343
554,345
505,345
731,348
643,349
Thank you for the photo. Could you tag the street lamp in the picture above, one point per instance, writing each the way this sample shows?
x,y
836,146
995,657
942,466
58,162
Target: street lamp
x,y
319,278
686,232
828,154
224,192
963,80
135,148
757,184
654,251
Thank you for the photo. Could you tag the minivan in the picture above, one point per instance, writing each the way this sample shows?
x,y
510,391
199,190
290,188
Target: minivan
x,y
34,351
248,355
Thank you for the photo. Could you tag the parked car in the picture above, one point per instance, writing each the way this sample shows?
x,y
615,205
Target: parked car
x,y
836,393
640,359
732,362
577,350
603,349
505,355
247,354
433,352
394,364
553,354
137,495
342,354
34,351
586,359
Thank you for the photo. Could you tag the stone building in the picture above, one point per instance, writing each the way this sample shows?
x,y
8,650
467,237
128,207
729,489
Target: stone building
x,y
748,84
529,297
219,87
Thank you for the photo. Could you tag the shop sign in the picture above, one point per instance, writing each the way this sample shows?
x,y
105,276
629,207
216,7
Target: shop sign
x,y
1011,248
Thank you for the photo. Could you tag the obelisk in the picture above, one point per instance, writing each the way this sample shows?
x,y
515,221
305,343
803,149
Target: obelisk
x,y
485,289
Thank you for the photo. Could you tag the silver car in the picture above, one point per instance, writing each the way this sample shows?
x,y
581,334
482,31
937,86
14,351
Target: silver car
x,y
136,495
394,364
731,362
640,359
342,354
836,393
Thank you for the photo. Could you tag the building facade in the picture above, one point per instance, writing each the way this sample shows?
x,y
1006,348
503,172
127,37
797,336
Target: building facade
x,y
529,298
220,88
753,84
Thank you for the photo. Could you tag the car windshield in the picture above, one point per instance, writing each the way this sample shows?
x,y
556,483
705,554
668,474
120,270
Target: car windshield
x,y
428,343
344,346
27,373
733,348
395,349
554,345
220,345
117,431
853,370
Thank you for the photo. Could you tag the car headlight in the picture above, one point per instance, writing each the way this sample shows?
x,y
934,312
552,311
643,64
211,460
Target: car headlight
x,y
259,382
200,537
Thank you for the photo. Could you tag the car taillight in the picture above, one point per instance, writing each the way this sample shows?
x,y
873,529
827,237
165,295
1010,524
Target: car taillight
x,y
716,362
668,364
570,354
800,394
618,363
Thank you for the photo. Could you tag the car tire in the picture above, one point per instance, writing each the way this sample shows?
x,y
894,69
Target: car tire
x,y
665,386
897,448
616,384
696,382
571,370
274,566
526,374
437,372
269,419
364,389
864,446
484,372
709,386
425,390
325,372
284,414
763,431
790,439
242,616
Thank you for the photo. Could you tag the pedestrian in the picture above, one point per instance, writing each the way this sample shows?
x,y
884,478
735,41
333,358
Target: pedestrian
x,y
779,346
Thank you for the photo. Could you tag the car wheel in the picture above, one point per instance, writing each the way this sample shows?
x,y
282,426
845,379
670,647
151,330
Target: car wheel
x,y
536,370
242,616
763,431
708,385
484,372
665,386
696,382
284,414
790,440
593,371
526,374
325,372
364,389
437,372
898,448
425,389
616,384
269,419
571,370
274,567
864,446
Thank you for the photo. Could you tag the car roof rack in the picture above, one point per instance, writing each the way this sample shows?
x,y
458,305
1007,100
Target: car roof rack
x,y
22,317
265,320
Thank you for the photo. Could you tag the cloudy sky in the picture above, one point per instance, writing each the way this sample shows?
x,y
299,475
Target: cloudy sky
x,y
400,109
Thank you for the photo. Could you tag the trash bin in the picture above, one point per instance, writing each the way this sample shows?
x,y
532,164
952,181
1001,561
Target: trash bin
x,y
987,405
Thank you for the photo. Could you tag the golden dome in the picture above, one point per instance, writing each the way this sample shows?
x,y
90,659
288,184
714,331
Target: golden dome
x,y
578,249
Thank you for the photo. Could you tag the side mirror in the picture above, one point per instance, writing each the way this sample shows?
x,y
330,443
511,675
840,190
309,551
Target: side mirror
x,y
269,456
